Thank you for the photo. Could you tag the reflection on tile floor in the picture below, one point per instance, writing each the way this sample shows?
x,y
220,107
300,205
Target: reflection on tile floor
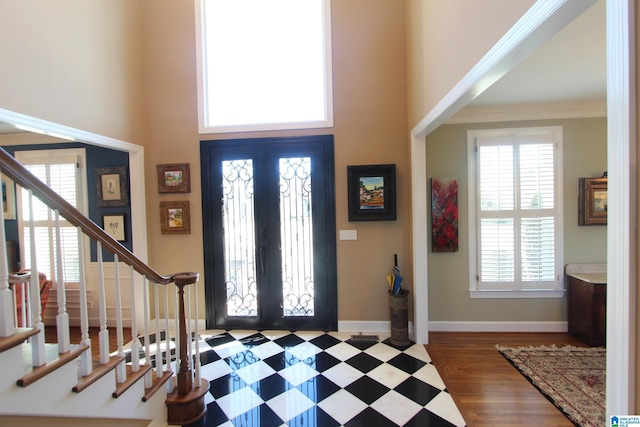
x,y
282,378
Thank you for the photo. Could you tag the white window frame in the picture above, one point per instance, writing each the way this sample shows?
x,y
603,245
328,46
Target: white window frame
x,y
475,291
201,58
28,157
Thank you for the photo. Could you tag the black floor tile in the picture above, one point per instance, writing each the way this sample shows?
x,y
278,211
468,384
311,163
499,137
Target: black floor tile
x,y
363,362
407,363
369,418
367,389
416,390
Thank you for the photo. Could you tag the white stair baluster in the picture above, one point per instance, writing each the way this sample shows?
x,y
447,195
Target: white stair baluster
x,y
37,341
198,378
135,345
158,337
62,319
7,299
86,364
103,335
121,371
148,380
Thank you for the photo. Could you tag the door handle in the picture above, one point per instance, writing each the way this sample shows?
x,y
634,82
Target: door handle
x,y
261,252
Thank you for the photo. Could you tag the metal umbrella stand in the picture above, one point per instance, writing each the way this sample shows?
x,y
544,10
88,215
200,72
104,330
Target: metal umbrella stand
x,y
399,304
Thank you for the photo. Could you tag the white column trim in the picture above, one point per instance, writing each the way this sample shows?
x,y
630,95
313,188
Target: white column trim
x,y
622,218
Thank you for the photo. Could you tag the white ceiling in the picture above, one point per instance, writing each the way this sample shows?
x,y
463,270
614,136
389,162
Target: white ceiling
x,y
569,67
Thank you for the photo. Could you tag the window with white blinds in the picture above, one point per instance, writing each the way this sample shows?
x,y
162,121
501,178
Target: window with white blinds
x,y
515,212
63,171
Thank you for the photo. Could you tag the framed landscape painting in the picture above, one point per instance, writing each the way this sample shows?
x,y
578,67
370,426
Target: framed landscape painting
x,y
372,192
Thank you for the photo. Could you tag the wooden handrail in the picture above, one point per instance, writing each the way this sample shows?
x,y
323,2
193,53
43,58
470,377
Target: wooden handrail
x,y
23,177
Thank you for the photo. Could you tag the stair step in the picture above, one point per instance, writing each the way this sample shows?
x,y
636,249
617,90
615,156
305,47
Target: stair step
x,y
99,370
132,378
17,338
158,382
41,371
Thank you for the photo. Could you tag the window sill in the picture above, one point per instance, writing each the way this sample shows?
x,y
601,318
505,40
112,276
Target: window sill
x,y
474,293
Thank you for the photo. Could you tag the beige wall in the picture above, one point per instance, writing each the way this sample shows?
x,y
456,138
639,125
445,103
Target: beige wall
x,y
584,155
446,39
369,80
75,63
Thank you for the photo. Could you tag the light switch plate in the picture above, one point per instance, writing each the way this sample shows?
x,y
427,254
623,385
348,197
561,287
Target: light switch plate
x,y
348,234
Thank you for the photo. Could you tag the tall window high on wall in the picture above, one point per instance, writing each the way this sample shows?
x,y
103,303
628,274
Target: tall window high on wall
x,y
515,212
64,171
263,64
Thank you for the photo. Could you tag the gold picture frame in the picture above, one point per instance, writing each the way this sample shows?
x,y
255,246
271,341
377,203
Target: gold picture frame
x,y
592,201
175,217
174,178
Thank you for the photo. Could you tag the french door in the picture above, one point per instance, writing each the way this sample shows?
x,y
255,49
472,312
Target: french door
x,y
269,233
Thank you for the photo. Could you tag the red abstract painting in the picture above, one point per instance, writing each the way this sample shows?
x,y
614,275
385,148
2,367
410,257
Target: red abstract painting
x,y
444,215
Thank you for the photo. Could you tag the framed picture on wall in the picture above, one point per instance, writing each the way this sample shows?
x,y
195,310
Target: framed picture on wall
x,y
175,217
592,201
8,198
112,187
372,192
114,225
174,178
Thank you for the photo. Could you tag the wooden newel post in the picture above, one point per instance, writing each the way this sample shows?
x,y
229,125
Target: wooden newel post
x,y
184,376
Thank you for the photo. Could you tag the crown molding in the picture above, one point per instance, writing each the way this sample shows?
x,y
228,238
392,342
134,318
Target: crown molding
x,y
543,111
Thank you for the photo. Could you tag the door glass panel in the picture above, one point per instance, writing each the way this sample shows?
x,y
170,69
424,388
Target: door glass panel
x,y
238,225
296,236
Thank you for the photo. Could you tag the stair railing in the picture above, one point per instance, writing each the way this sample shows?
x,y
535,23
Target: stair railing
x,y
187,369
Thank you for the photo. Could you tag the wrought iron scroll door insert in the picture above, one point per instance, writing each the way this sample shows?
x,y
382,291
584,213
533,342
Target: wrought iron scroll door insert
x,y
269,233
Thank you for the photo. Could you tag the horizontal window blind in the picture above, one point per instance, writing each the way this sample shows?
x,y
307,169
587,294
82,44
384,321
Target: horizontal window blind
x,y
59,169
517,209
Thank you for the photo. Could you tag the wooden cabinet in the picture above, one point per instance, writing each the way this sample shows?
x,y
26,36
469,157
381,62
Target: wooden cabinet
x,y
587,310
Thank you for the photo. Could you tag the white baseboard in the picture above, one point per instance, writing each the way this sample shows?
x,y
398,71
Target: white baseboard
x,y
436,326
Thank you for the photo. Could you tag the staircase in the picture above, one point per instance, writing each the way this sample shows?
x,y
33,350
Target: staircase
x,y
154,380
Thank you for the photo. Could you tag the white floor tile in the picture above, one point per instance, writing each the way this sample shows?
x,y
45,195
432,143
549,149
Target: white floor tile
x,y
396,407
429,374
239,402
255,372
342,406
266,350
304,350
309,335
298,373
229,349
290,404
342,351
382,352
343,374
419,352
443,406
388,375
214,370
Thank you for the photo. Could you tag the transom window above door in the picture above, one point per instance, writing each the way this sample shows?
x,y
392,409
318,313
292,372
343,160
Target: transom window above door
x,y
263,65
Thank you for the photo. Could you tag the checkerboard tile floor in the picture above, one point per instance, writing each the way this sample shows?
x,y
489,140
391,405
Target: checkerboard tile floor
x,y
282,378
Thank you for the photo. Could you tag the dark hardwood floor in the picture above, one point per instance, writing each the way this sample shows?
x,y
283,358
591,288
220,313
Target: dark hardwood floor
x,y
486,388
74,332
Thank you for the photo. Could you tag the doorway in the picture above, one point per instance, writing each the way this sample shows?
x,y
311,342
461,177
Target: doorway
x,y
269,233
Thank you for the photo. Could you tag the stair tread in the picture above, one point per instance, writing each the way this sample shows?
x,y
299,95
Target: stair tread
x,y
39,372
99,370
20,336
156,385
132,378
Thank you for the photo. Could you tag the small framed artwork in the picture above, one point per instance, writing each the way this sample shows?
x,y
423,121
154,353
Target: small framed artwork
x,y
175,218
592,201
112,187
8,198
174,178
372,192
113,224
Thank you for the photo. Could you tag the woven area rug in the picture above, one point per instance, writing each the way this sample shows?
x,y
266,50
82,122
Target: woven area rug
x,y
572,378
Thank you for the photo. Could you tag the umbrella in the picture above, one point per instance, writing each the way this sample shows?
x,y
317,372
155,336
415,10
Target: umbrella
x,y
394,279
